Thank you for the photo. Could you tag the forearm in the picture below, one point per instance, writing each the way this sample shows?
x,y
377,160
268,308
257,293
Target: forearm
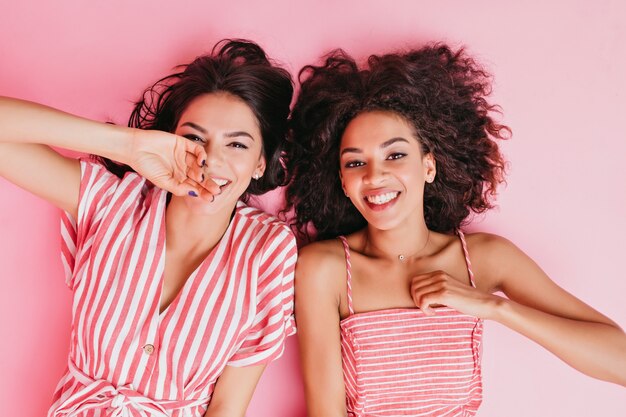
x,y
318,407
596,349
27,122
223,412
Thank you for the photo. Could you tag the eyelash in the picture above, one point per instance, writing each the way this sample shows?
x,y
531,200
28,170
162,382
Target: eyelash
x,y
196,138
354,164
238,145
396,155
391,157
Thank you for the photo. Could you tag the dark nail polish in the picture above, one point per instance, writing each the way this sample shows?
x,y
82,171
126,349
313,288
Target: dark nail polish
x,y
193,194
204,162
202,177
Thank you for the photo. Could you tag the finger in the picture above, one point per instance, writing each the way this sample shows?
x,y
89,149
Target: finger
x,y
197,175
427,297
422,281
200,191
197,151
180,163
194,171
210,186
428,303
180,189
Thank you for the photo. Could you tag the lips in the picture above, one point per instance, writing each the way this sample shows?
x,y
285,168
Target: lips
x,y
219,181
380,200
222,183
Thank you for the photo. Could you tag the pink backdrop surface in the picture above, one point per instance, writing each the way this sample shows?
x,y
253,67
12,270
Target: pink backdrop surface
x,y
559,75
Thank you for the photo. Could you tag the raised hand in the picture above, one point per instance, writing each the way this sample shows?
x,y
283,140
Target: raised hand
x,y
438,288
171,162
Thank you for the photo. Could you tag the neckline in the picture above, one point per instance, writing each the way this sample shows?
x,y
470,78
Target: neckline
x,y
392,310
347,252
202,266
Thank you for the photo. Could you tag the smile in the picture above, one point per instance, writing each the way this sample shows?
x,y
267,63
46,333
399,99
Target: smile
x,y
220,181
382,198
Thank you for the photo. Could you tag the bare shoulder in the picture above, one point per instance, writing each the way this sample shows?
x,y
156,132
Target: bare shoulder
x,y
321,268
491,256
323,253
487,242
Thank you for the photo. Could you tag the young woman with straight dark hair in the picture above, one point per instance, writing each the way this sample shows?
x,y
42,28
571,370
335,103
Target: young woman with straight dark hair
x,y
182,293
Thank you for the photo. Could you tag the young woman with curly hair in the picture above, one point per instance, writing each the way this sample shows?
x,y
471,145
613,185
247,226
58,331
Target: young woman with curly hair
x,y
388,162
180,298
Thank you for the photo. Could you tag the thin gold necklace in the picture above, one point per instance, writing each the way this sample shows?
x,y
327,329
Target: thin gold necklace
x,y
402,257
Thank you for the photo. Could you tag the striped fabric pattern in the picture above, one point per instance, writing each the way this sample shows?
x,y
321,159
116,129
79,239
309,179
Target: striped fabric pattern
x,y
126,357
400,362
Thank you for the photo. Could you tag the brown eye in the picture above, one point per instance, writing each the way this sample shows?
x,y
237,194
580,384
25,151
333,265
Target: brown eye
x,y
194,138
354,164
238,145
396,155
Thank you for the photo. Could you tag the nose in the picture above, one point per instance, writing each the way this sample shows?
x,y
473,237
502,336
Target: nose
x,y
214,153
374,173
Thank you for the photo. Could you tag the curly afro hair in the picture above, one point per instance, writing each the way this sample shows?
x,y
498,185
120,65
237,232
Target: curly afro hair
x,y
440,92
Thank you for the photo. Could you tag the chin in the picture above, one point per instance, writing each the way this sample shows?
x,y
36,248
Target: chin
x,y
384,225
203,207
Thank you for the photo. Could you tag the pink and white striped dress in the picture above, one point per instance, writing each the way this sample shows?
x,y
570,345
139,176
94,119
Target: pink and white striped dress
x,y
400,362
128,359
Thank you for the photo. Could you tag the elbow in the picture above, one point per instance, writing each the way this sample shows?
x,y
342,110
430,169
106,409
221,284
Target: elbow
x,y
615,367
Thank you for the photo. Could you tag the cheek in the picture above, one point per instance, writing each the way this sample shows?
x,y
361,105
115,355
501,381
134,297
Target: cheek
x,y
242,161
349,179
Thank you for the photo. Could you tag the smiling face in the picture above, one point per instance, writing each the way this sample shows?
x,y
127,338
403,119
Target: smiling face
x,y
383,169
228,130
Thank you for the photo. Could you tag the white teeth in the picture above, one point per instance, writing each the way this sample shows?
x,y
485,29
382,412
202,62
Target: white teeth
x,y
382,198
219,181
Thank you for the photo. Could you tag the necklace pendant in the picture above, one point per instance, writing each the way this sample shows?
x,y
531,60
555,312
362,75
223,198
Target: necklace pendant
x,y
401,258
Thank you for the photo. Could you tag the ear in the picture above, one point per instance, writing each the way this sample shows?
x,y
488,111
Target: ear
x,y
343,187
260,168
430,167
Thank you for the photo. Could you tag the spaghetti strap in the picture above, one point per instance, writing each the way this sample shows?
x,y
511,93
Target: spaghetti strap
x,y
346,249
467,258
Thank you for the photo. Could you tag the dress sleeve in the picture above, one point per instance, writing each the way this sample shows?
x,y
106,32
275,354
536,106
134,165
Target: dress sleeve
x,y
97,185
274,320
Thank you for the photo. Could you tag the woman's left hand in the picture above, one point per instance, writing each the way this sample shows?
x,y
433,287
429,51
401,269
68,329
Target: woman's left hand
x,y
438,288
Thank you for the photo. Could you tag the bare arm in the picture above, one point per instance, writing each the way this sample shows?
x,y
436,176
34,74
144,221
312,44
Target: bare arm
x,y
537,308
317,316
27,130
233,391
544,312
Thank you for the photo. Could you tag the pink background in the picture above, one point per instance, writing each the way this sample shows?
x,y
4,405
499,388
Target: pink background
x,y
559,69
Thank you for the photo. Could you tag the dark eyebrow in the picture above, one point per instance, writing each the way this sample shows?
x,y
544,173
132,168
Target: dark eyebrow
x,y
195,126
385,144
237,134
392,141
228,135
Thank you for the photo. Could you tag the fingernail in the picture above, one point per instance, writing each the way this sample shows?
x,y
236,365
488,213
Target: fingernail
x,y
193,194
202,177
203,162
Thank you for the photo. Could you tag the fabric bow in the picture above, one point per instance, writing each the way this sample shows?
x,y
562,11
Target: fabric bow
x,y
123,401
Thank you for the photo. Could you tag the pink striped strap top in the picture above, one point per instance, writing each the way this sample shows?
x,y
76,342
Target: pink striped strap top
x,y
401,362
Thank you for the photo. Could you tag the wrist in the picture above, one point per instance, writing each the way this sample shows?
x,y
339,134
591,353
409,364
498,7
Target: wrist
x,y
497,307
120,144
